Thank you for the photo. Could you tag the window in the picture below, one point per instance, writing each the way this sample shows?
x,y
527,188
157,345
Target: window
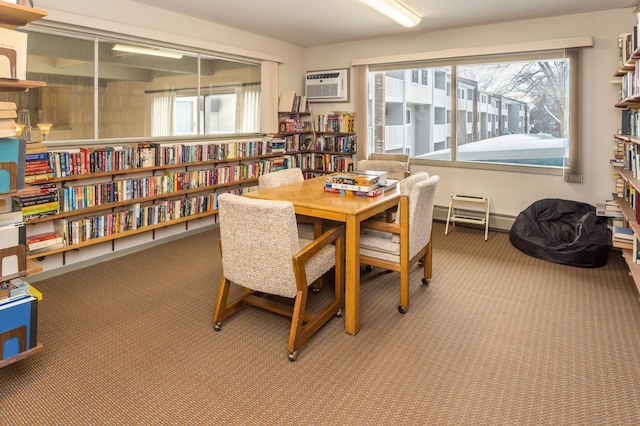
x,y
425,77
512,110
415,76
139,90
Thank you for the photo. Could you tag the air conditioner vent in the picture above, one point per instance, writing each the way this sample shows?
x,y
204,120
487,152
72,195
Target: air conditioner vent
x,y
327,86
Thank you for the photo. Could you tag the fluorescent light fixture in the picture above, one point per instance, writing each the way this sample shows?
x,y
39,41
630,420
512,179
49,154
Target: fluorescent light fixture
x,y
395,11
146,51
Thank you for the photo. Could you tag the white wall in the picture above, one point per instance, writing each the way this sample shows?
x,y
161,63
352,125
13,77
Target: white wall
x,y
511,192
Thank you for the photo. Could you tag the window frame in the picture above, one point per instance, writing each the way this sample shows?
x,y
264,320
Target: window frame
x,y
572,169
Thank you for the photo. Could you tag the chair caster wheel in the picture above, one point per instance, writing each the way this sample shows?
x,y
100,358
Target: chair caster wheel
x,y
402,309
315,290
339,313
293,356
425,281
218,326
368,268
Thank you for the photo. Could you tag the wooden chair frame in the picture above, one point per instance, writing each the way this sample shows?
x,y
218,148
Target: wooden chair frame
x,y
304,323
425,254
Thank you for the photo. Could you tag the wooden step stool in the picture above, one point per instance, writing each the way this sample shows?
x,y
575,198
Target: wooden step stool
x,y
468,216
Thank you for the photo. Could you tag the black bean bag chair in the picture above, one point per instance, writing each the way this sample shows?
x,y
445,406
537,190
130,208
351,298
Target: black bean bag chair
x,y
562,231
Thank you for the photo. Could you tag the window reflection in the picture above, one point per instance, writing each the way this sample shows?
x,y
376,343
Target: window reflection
x,y
138,92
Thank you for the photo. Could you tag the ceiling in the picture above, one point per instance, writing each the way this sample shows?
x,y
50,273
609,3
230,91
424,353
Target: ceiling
x,y
318,22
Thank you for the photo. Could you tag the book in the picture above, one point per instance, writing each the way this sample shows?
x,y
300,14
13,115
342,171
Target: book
x,y
58,244
285,104
358,188
351,178
622,233
372,193
4,105
607,210
382,175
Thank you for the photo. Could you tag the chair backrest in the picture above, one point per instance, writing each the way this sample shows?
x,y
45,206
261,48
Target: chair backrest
x,y
394,169
403,158
259,238
421,204
405,190
280,177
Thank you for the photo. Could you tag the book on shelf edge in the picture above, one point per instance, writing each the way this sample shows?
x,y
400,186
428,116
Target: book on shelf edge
x,y
622,233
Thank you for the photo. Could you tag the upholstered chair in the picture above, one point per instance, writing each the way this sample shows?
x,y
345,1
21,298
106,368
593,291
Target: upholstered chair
x,y
262,252
394,169
396,165
399,245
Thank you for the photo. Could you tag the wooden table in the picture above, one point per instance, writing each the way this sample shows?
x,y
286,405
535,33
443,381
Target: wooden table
x,y
310,199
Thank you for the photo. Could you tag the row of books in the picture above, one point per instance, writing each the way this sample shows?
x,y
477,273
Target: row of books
x,y
338,122
346,144
294,125
84,196
135,216
305,142
85,160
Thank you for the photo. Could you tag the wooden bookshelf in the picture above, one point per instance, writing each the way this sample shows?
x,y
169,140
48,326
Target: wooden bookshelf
x,y
235,172
13,16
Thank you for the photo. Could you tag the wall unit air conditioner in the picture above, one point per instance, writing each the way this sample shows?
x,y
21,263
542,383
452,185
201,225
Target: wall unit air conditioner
x,y
327,86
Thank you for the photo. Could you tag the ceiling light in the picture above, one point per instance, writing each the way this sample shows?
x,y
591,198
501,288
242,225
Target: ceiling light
x,y
395,11
146,51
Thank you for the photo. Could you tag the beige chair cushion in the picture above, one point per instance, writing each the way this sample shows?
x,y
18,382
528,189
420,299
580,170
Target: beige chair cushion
x,y
384,245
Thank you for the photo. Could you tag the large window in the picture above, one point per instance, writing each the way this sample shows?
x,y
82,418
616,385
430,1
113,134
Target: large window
x,y
509,111
103,88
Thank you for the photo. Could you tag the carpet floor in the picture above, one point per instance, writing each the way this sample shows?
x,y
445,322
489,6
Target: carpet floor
x,y
497,338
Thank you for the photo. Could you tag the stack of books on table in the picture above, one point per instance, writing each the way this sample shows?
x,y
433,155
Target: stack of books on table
x,y
622,237
362,183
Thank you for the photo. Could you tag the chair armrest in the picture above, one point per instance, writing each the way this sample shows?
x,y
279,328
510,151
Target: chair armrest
x,y
331,235
381,226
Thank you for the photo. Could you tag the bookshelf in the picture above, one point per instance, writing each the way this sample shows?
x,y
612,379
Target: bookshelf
x,y
315,147
13,16
627,145
103,200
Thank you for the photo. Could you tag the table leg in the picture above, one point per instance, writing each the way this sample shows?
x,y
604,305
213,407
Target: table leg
x,y
352,276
